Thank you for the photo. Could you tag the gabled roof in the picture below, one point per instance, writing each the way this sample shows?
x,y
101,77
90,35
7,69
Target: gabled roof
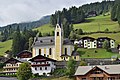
x,y
44,41
87,38
105,38
41,58
12,61
49,41
110,69
75,53
24,51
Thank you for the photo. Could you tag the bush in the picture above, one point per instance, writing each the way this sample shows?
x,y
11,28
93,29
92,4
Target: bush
x,y
59,72
83,63
24,71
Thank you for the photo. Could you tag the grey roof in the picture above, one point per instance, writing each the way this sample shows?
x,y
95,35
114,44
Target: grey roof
x,y
75,53
110,69
44,41
47,41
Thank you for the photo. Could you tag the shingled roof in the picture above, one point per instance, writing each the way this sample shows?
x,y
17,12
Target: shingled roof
x,y
110,69
49,41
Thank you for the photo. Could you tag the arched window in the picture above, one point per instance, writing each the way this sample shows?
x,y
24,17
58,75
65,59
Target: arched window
x,y
50,51
39,51
57,33
65,51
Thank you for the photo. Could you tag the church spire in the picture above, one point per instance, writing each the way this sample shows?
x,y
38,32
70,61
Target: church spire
x,y
59,20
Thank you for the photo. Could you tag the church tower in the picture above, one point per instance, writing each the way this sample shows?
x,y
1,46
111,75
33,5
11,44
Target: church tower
x,y
58,40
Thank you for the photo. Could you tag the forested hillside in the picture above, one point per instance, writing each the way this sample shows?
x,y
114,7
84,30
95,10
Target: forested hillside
x,y
7,31
115,14
77,15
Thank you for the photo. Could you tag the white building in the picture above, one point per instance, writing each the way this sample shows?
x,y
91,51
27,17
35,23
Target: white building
x,y
42,65
89,42
11,66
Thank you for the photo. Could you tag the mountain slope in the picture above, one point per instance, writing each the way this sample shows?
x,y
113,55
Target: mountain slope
x,y
28,25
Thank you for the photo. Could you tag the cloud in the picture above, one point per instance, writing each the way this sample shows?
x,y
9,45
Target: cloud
x,y
16,11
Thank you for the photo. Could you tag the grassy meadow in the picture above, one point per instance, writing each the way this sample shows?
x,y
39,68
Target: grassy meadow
x,y
4,46
99,23
47,28
96,53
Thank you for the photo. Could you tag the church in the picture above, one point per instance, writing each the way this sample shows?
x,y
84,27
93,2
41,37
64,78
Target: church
x,y
55,47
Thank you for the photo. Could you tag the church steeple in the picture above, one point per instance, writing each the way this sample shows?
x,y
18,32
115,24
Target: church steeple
x,y
58,39
59,20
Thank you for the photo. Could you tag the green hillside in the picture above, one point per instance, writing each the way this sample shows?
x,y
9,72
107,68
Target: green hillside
x,y
47,28
96,53
4,46
99,23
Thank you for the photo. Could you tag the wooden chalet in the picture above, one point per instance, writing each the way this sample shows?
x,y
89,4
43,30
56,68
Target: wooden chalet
x,y
102,72
42,65
11,66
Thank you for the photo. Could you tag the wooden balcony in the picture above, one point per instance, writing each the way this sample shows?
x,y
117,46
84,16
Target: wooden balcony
x,y
96,75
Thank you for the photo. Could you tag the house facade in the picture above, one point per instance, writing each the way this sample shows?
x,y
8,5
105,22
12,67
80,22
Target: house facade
x,y
11,66
42,65
102,72
55,47
89,42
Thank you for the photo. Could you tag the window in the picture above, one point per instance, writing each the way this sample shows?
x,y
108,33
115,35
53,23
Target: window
x,y
39,51
45,55
66,57
40,68
65,51
41,41
83,78
75,57
50,51
45,68
36,68
57,33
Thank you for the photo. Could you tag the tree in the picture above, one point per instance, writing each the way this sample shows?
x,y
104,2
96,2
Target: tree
x,y
118,14
16,45
106,44
72,35
70,67
39,34
79,31
83,63
24,71
30,43
106,30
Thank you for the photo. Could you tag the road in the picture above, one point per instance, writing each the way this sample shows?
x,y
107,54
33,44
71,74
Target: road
x,y
7,78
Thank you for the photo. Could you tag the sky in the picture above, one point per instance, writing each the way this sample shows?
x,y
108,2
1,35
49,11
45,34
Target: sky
x,y
16,11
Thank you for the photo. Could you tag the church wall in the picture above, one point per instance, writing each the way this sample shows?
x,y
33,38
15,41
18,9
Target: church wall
x,y
70,48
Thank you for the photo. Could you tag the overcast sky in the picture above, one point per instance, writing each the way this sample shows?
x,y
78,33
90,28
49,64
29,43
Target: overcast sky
x,y
16,11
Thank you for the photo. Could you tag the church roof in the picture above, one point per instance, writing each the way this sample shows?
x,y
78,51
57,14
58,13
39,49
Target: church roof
x,y
44,41
49,41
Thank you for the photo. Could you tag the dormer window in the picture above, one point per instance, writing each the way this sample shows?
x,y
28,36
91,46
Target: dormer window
x,y
51,40
57,33
41,41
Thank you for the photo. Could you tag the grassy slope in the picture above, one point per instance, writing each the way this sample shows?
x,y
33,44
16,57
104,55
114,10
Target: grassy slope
x,y
4,46
94,23
101,53
47,28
